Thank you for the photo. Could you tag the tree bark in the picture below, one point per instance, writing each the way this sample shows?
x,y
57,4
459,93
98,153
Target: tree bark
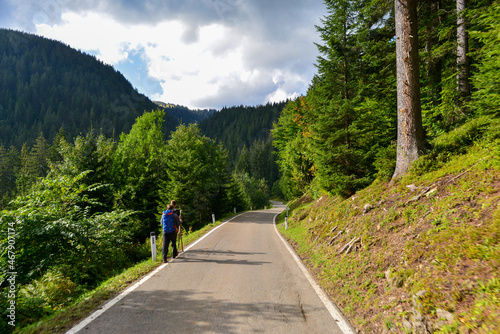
x,y
410,130
462,49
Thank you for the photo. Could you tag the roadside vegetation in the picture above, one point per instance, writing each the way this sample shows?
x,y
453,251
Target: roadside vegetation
x,y
421,255
74,310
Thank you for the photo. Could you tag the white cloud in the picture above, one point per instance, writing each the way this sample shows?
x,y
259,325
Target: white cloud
x,y
236,53
91,31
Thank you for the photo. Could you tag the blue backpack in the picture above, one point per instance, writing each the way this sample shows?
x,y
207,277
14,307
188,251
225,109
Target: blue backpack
x,y
167,220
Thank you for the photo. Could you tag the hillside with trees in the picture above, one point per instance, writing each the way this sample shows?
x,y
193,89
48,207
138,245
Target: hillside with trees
x,y
49,91
184,114
46,86
246,133
347,130
391,162
91,214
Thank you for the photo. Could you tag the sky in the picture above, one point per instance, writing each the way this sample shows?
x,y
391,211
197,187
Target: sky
x,y
195,53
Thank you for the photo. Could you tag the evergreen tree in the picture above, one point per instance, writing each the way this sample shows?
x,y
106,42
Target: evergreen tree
x,y
291,139
237,195
463,72
38,157
486,96
350,122
24,177
197,175
4,181
92,156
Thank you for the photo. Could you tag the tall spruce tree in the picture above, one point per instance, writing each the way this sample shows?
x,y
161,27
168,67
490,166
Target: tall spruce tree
x,y
196,175
349,115
486,96
463,74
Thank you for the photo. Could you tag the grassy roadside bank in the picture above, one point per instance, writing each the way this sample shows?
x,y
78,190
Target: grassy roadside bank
x,y
420,256
86,304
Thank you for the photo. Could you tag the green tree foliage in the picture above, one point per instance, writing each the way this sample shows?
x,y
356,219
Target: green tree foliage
x,y
245,133
352,106
255,189
237,194
341,135
138,170
291,138
55,229
442,105
336,131
259,161
93,155
486,97
185,115
197,175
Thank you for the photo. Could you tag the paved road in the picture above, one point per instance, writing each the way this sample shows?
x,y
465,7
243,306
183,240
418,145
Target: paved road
x,y
239,279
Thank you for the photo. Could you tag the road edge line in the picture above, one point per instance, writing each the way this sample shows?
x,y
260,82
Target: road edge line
x,y
81,325
335,312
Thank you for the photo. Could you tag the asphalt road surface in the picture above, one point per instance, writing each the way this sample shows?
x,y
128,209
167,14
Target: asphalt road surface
x,y
241,278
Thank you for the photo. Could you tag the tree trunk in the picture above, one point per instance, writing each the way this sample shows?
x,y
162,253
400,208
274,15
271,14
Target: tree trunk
x,y
462,49
410,130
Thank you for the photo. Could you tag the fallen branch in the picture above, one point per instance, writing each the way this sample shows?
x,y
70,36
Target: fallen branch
x,y
348,249
348,244
416,198
335,237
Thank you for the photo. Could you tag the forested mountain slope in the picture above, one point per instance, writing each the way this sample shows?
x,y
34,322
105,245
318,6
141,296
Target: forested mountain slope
x,y
246,133
184,114
45,85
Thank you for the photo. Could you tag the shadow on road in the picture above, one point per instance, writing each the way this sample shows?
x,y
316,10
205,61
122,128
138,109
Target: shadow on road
x,y
194,312
200,255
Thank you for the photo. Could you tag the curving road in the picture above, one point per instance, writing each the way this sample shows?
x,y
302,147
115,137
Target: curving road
x,y
241,278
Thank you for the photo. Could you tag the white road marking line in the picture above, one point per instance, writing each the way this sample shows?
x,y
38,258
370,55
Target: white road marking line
x,y
345,327
115,300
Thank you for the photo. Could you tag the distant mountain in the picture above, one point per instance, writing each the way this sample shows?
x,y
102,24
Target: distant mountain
x,y
239,126
45,85
246,133
184,114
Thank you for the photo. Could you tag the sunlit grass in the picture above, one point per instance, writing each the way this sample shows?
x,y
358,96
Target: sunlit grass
x,y
446,243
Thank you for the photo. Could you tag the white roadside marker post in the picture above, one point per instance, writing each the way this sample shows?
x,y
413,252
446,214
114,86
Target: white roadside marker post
x,y
153,246
286,218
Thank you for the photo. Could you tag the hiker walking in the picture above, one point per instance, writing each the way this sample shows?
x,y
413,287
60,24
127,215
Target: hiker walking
x,y
171,223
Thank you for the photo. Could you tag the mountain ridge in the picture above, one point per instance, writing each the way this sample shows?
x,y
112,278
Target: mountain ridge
x,y
45,86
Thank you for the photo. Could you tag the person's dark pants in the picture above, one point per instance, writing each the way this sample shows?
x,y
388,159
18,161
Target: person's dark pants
x,y
167,238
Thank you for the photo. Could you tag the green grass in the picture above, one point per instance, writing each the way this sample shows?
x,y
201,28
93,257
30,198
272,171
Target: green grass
x,y
446,242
